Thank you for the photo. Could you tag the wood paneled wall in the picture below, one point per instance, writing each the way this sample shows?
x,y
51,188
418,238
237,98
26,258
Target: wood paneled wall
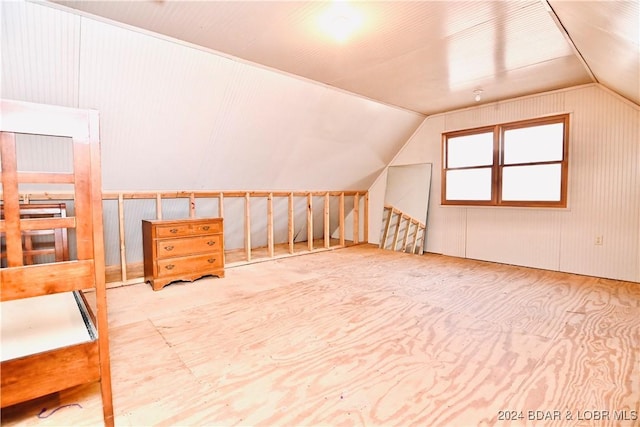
x,y
604,190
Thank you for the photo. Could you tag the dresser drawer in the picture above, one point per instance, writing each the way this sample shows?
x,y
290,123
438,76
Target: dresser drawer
x,y
189,264
187,246
179,230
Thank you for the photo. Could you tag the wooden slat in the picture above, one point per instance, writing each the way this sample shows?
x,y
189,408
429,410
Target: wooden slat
x,y
192,205
396,232
356,218
11,225
28,224
406,233
247,225
270,241
158,198
99,270
40,279
38,375
137,195
123,250
110,195
387,227
341,218
291,225
420,240
45,178
366,217
310,221
416,233
220,205
84,228
326,222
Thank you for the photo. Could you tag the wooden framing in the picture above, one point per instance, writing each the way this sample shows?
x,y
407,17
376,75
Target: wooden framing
x,y
58,247
133,272
33,376
413,236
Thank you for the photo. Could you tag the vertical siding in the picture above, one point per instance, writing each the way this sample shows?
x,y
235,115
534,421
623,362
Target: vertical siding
x,y
604,190
525,237
454,231
605,187
30,31
174,116
505,111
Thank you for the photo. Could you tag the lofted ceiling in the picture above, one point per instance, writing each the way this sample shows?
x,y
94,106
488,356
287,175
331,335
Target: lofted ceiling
x,y
423,56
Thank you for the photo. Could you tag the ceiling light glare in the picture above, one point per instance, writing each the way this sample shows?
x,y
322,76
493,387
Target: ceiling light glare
x,y
340,21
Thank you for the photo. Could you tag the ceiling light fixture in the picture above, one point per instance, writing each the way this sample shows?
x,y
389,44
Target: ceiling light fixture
x,y
340,21
478,94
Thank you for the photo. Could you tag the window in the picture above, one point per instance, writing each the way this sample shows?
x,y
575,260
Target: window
x,y
514,164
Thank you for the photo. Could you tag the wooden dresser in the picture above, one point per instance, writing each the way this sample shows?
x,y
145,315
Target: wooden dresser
x,y
182,249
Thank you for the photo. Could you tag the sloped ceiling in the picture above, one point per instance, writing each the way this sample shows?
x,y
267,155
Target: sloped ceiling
x,y
423,56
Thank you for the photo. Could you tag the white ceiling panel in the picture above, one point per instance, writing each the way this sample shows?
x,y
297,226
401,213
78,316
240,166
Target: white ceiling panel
x,y
607,34
424,56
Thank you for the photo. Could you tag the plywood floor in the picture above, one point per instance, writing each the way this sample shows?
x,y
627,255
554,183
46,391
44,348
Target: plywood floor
x,y
360,336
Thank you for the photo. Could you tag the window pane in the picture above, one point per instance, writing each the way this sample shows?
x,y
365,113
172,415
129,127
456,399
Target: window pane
x,y
470,150
532,183
534,144
469,184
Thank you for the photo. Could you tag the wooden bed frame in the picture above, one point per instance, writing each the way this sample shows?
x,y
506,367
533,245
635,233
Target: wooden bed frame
x,y
57,247
35,375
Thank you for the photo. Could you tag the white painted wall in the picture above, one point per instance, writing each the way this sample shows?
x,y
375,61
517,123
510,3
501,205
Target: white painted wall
x,y
604,190
177,117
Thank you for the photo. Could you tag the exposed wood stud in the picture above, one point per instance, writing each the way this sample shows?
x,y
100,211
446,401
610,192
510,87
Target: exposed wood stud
x,y
387,227
281,249
327,220
366,217
270,243
416,234
247,225
291,215
221,205
123,251
407,227
341,216
356,218
158,206
192,205
310,222
221,214
397,231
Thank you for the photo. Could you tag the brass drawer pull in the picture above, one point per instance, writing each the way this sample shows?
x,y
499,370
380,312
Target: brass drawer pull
x,y
173,230
168,248
169,266
211,260
205,227
211,242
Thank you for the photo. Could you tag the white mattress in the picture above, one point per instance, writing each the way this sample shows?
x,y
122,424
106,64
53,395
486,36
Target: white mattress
x,y
34,325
